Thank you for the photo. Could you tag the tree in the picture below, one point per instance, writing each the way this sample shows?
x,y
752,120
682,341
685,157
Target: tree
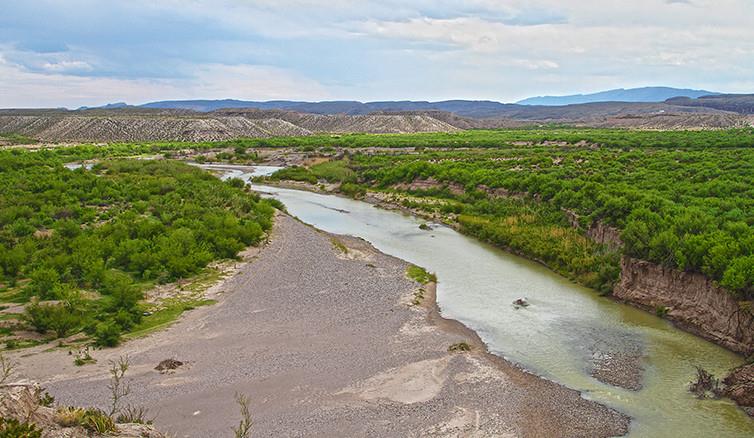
x,y
43,283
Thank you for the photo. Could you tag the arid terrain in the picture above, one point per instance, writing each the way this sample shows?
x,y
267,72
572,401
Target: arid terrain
x,y
144,124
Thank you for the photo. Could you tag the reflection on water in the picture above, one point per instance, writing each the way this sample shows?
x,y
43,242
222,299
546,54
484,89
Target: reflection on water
x,y
562,331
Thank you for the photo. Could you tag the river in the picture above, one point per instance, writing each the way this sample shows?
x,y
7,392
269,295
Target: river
x,y
558,335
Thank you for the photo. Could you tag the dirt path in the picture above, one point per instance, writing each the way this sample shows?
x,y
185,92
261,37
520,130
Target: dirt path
x,y
327,344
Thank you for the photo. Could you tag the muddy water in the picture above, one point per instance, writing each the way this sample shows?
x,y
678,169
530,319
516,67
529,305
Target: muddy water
x,y
560,333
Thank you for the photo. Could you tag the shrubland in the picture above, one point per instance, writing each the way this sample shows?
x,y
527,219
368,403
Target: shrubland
x,y
682,199
81,246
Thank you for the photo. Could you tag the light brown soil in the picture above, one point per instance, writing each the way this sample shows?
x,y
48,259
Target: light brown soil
x,y
328,345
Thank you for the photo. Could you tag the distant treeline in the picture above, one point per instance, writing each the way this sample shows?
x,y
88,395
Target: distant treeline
x,y
610,138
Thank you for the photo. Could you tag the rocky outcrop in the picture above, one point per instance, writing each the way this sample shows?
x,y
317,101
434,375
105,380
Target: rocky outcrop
x,y
691,300
431,184
598,232
605,235
739,386
22,401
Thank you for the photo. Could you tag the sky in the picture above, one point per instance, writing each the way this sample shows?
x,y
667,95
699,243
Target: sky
x,y
91,52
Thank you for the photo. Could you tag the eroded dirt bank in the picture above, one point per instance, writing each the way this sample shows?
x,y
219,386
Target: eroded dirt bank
x,y
327,343
691,300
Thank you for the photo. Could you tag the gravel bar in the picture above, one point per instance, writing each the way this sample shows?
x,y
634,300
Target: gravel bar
x,y
327,342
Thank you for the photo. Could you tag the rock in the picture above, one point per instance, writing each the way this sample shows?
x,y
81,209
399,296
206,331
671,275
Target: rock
x,y
739,386
22,401
521,302
168,365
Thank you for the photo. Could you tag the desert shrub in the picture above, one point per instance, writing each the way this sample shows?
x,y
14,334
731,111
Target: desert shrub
x,y
69,416
107,334
44,282
353,190
56,317
97,421
295,173
459,347
134,414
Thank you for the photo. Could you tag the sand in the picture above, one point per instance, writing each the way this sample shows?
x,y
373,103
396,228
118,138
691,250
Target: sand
x,y
327,343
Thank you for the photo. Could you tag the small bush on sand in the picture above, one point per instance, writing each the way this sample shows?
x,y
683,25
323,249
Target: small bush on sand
x,y
69,416
134,414
244,426
97,421
459,347
7,368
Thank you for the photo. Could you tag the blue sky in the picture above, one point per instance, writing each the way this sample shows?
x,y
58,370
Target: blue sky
x,y
84,52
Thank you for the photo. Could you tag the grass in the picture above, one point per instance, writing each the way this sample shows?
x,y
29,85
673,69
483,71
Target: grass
x,y
420,275
340,246
15,294
16,139
171,310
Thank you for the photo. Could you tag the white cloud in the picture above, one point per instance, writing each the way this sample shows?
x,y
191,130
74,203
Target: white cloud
x,y
24,89
367,49
63,66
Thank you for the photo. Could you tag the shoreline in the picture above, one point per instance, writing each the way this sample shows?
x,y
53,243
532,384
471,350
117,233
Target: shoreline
x,y
412,368
622,369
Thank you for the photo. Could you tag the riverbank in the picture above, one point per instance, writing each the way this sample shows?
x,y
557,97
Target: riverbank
x,y
326,342
617,366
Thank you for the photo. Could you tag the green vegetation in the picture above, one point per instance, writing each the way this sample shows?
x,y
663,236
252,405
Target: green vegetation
x,y
15,139
94,240
331,171
340,246
688,209
682,199
420,275
12,428
612,138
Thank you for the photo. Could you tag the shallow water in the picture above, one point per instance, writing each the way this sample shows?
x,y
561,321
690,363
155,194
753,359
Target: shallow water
x,y
558,333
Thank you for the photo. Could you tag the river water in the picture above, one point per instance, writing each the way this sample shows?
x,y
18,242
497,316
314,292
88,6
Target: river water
x,y
558,335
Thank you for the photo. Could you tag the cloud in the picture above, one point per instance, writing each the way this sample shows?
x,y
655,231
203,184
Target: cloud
x,y
370,49
23,89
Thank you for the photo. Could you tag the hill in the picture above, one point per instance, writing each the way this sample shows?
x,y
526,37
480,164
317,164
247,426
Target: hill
x,y
125,125
739,103
645,94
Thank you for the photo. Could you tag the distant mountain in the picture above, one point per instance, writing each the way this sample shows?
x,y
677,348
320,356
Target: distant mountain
x,y
646,94
739,103
466,108
618,103
115,105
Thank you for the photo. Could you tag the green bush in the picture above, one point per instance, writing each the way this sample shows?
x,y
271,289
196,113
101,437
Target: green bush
x,y
12,428
353,190
107,334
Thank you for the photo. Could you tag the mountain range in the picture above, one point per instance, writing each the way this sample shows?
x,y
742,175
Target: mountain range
x,y
644,94
464,108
